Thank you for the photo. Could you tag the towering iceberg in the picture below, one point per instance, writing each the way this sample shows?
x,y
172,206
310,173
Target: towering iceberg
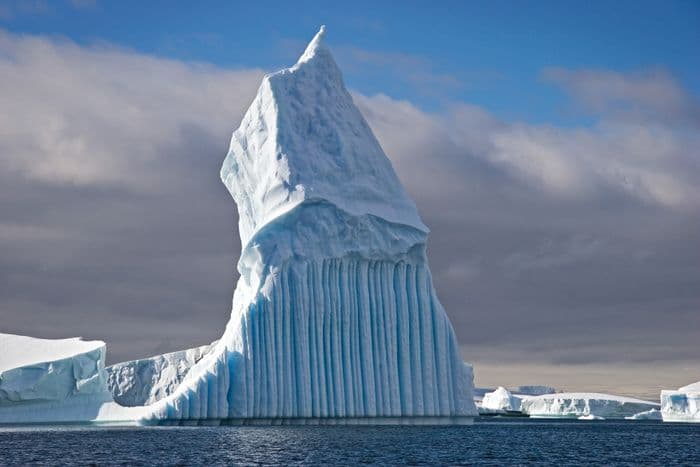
x,y
682,405
335,318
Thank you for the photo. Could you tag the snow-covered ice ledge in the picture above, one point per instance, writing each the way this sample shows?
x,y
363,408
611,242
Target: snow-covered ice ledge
x,y
56,381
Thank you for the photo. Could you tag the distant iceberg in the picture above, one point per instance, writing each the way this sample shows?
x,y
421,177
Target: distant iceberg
x,y
682,405
575,405
500,401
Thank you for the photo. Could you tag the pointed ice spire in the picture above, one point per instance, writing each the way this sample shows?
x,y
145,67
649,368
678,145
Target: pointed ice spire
x,y
315,45
303,140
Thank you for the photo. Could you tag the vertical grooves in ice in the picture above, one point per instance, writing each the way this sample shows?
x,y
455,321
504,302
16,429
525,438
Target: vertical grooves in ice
x,y
311,349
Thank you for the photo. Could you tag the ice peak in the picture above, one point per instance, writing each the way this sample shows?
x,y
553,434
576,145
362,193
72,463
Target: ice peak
x,y
304,141
314,46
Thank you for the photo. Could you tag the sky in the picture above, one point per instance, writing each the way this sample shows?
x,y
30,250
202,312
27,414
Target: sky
x,y
551,147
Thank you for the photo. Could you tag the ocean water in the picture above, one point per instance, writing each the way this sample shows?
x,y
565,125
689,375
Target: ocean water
x,y
488,442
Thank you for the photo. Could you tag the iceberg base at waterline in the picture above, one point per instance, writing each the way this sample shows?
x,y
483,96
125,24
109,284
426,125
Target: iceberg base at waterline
x,y
317,421
64,381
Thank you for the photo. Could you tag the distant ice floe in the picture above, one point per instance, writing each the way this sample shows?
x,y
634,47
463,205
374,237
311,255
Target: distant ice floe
x,y
582,404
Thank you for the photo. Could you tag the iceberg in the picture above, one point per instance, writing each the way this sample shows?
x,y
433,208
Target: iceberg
x,y
575,405
50,370
55,380
335,318
682,405
500,401
145,381
479,393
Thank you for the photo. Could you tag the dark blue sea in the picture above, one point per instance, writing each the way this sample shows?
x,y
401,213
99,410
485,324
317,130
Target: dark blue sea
x,y
487,442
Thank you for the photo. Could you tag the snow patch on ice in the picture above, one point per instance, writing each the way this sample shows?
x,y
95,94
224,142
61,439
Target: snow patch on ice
x,y
18,351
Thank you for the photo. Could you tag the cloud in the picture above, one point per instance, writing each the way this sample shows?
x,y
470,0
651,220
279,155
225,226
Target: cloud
x,y
550,241
115,225
651,163
419,73
103,117
545,240
553,254
647,95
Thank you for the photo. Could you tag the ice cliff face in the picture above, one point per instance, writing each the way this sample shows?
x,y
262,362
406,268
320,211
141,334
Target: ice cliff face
x,y
334,316
682,405
575,405
145,381
44,370
51,380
